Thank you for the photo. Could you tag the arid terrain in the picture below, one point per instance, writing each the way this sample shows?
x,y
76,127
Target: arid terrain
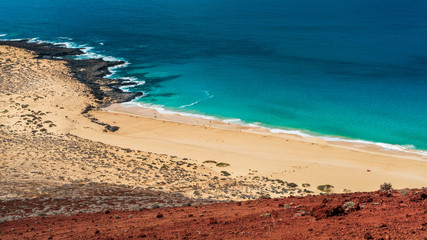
x,y
376,215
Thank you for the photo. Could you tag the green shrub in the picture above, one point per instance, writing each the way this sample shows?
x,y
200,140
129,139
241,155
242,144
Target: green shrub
x,y
325,188
221,164
210,161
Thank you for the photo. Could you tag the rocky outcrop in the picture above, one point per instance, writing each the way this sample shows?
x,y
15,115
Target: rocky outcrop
x,y
91,72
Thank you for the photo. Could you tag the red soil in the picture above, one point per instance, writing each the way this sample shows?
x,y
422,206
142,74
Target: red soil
x,y
376,215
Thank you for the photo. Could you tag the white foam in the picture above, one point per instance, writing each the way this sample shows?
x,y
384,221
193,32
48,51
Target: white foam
x,y
3,35
35,40
134,80
161,109
208,96
140,83
191,104
130,79
233,120
65,38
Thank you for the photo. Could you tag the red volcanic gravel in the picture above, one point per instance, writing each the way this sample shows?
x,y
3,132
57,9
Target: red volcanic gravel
x,y
375,215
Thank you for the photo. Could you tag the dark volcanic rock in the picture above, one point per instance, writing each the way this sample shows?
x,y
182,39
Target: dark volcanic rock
x,y
111,128
45,50
92,71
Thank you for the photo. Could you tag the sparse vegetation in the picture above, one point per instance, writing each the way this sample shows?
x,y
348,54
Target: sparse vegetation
x,y
280,181
225,173
164,167
5,111
348,205
404,191
264,196
325,188
386,187
210,161
222,164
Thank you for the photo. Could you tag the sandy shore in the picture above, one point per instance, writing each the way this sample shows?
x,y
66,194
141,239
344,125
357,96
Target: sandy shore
x,y
356,167
46,138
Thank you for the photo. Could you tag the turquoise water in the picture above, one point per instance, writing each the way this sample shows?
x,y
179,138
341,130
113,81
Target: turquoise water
x,y
353,69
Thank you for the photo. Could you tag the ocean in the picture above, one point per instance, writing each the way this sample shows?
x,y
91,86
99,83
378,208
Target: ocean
x,y
354,70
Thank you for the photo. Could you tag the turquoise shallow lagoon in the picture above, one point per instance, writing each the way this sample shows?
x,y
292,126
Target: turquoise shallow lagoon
x,y
353,69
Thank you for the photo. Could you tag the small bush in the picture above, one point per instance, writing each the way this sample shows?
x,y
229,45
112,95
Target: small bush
x,y
325,188
210,161
225,173
221,164
345,190
280,181
385,187
264,196
164,167
5,111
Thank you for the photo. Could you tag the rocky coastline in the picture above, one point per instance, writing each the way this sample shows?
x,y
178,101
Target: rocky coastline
x,y
91,72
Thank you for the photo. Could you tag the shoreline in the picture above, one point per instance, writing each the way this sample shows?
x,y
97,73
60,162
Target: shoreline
x,y
148,111
251,156
283,155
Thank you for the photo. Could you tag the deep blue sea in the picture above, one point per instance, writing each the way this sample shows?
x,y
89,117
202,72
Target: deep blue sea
x,y
353,69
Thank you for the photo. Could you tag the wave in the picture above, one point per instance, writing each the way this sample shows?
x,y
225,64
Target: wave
x,y
129,79
65,38
3,35
208,96
161,109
